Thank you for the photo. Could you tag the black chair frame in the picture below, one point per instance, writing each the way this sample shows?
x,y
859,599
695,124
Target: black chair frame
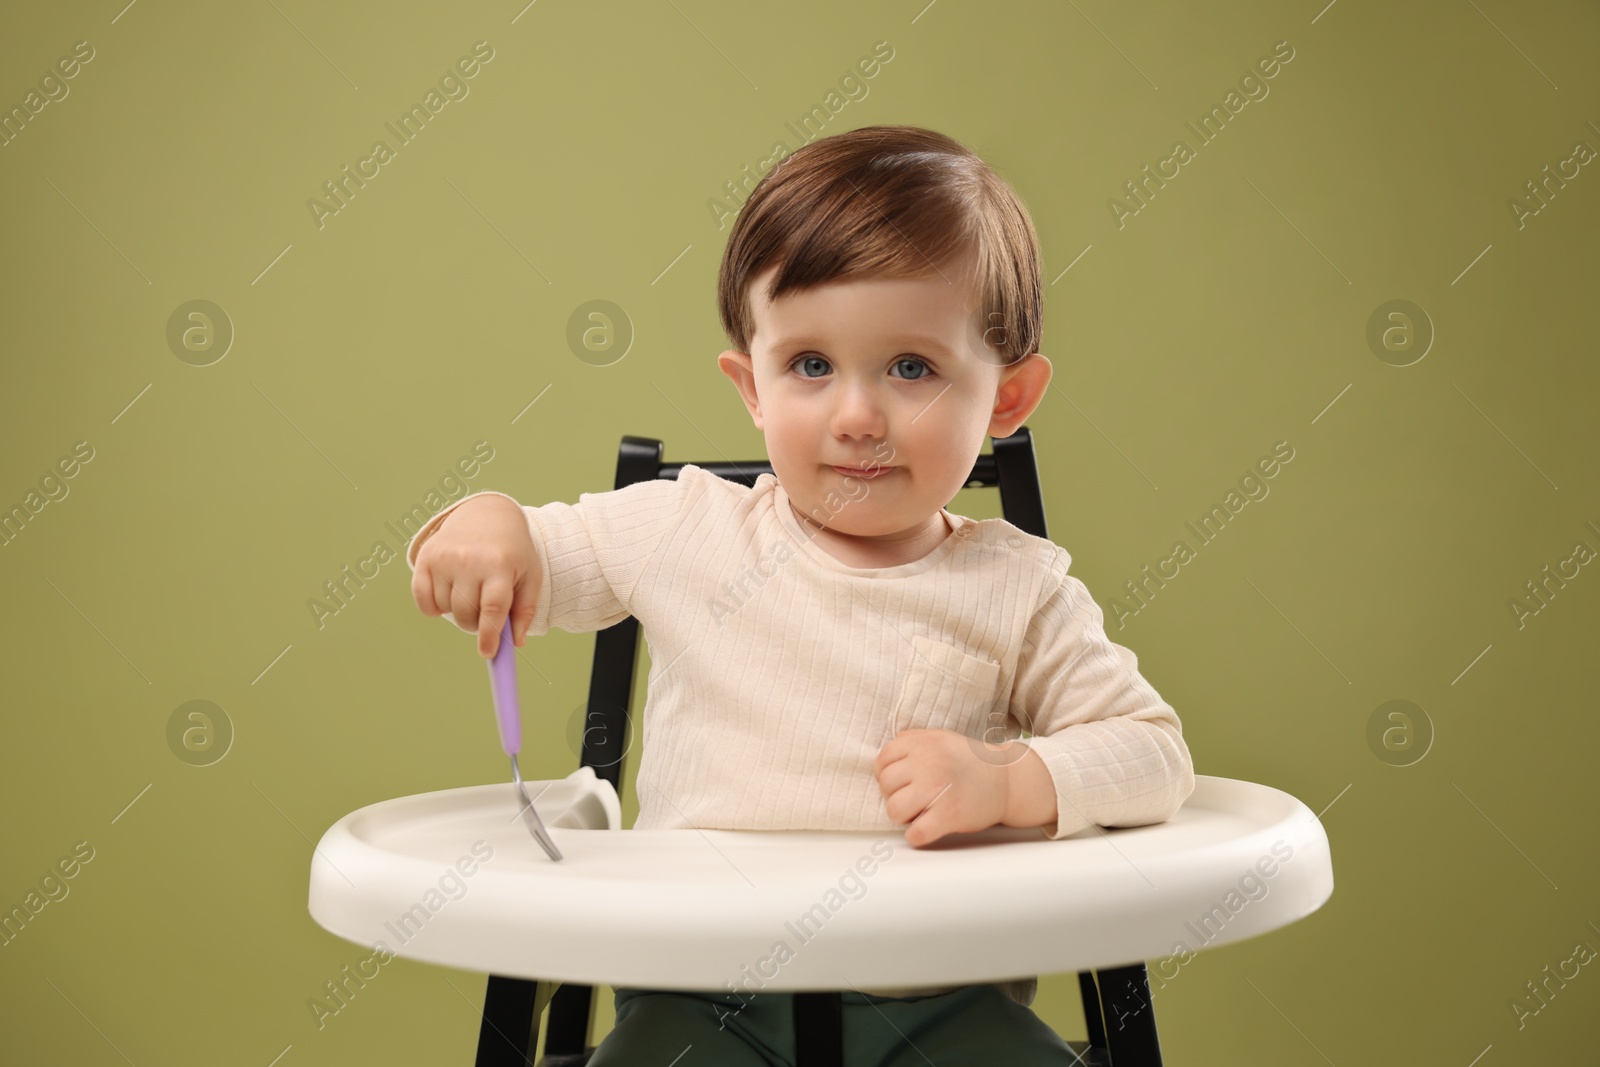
x,y
509,1032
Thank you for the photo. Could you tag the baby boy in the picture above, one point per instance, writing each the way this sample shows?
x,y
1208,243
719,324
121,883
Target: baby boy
x,y
833,649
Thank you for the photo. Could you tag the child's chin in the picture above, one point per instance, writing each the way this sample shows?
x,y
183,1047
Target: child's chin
x,y
859,528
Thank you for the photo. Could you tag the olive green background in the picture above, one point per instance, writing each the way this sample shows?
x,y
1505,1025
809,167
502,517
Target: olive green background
x,y
1230,313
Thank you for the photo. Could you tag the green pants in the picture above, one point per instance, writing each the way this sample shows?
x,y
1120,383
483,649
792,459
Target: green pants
x,y
975,1025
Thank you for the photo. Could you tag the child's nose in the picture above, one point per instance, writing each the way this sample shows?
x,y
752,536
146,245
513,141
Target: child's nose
x,y
859,410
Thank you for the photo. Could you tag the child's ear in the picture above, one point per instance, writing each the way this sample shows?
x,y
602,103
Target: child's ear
x,y
1021,389
738,366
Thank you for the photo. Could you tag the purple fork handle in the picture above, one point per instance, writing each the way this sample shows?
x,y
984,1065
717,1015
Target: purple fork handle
x,y
503,681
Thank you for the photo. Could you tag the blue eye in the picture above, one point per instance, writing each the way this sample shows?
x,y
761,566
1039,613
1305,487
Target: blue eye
x,y
803,360
814,359
918,362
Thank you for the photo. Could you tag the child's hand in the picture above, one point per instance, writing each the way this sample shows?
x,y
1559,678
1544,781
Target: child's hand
x,y
940,783
479,566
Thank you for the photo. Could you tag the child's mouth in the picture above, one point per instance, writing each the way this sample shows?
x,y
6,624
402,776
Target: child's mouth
x,y
864,472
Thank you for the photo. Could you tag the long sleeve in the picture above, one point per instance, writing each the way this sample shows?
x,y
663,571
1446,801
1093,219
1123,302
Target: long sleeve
x,y
1114,748
590,554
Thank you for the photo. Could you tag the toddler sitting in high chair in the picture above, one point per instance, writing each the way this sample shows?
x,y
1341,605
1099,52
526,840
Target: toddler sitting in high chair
x,y
833,649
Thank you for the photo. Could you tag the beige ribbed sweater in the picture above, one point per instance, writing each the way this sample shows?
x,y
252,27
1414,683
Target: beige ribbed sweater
x,y
777,672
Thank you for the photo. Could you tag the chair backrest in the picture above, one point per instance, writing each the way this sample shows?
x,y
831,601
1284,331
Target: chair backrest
x,y
607,735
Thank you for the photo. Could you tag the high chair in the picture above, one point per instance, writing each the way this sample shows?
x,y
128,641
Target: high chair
x,y
1098,910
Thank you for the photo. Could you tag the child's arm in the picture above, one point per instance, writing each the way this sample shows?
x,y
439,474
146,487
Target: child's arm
x,y
568,565
1113,750
1106,749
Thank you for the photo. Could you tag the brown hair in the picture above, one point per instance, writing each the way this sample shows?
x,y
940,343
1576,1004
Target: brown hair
x,y
888,202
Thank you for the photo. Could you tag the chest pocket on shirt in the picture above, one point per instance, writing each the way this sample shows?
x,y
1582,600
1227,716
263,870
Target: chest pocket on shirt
x,y
944,688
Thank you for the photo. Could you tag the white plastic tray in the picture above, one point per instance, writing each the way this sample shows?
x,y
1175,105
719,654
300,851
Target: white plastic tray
x,y
697,909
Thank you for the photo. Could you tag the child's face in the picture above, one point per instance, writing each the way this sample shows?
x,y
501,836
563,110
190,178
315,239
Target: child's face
x,y
878,373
